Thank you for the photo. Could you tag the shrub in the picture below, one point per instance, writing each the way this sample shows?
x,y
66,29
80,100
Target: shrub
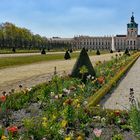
x,y
71,50
43,51
126,51
48,49
98,52
111,51
13,50
67,55
83,60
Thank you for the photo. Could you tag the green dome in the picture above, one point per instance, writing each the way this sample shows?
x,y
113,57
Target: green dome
x,y
132,23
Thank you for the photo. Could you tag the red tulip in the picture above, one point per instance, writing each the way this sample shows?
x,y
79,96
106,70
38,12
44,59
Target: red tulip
x,y
117,113
13,129
3,98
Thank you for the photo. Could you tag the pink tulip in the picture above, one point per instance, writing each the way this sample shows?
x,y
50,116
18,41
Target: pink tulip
x,y
97,132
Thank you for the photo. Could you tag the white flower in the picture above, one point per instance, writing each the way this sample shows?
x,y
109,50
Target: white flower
x,y
29,89
71,134
89,76
66,91
97,118
85,103
52,94
103,120
92,77
61,131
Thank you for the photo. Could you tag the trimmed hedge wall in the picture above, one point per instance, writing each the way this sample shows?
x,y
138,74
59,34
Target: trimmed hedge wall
x,y
95,99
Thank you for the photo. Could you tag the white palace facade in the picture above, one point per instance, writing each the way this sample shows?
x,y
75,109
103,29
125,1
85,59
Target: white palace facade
x,y
119,42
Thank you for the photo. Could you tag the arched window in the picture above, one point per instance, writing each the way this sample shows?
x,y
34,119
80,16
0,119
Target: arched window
x,y
130,42
134,42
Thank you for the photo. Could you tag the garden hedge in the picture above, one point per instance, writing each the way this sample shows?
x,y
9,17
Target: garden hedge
x,y
95,99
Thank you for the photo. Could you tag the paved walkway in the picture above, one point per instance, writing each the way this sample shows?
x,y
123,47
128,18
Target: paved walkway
x,y
30,75
119,99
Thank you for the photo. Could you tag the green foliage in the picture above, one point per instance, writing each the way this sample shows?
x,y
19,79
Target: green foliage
x,y
117,137
13,36
83,60
134,115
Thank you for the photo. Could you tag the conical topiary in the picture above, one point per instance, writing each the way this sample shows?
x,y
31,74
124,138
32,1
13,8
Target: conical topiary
x,y
83,61
13,50
71,50
43,51
98,52
67,55
126,51
111,51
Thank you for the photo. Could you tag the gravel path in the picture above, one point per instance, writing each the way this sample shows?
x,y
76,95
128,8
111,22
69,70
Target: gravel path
x,y
29,54
25,54
33,74
119,99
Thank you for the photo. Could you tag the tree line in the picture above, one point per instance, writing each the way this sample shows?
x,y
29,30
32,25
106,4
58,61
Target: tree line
x,y
12,36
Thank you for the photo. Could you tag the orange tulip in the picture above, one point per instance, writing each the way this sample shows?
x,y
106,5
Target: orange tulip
x,y
101,80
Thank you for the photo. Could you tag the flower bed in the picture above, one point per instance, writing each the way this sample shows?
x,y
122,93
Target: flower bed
x,y
58,109
95,99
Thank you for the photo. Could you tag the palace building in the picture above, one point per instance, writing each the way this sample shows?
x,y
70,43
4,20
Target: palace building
x,y
119,42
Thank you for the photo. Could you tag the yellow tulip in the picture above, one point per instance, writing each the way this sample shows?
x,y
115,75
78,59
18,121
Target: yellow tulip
x,y
54,117
64,123
79,138
44,119
68,138
44,124
4,137
78,105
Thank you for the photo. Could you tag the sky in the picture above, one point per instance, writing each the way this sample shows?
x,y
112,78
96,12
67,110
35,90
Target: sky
x,y
69,18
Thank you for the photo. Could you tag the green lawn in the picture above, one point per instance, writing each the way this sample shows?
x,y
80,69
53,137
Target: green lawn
x,y
22,60
8,51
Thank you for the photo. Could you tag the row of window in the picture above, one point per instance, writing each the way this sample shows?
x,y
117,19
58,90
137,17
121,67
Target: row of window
x,y
93,47
93,43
